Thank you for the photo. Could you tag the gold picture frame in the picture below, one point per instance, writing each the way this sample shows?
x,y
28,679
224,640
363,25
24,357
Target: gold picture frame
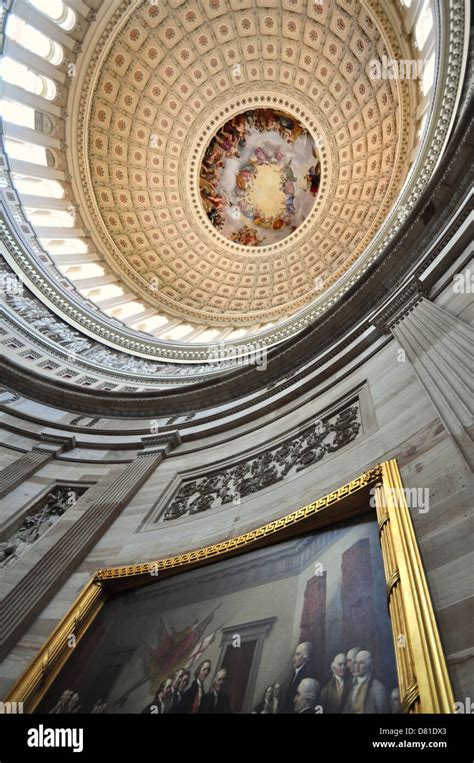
x,y
421,666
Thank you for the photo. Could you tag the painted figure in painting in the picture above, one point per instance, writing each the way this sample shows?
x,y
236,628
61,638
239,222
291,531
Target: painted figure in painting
x,y
324,592
367,695
266,706
306,696
300,669
191,700
216,701
334,694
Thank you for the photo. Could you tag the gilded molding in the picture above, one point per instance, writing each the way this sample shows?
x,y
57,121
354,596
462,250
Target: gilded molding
x,y
422,673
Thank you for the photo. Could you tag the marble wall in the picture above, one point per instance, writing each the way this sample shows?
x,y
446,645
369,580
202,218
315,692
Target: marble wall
x,y
399,421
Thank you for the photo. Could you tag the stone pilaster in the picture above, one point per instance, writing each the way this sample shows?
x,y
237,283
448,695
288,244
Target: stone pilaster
x,y
440,349
23,602
30,462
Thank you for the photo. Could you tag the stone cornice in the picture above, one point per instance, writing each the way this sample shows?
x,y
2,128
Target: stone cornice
x,y
419,244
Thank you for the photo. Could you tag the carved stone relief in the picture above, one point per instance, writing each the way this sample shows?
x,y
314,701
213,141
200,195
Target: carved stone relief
x,y
39,317
323,436
38,521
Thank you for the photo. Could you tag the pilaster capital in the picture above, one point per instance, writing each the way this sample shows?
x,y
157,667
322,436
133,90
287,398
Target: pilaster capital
x,y
56,441
398,304
160,443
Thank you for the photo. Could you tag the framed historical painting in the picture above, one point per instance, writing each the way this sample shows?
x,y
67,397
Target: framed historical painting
x,y
325,610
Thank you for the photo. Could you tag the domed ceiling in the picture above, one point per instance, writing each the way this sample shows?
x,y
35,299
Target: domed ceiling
x,y
236,156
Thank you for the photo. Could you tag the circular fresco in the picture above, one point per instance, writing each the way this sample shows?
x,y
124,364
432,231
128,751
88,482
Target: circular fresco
x,y
259,177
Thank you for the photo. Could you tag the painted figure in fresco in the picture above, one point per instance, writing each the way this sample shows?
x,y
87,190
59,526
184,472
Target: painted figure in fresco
x,y
265,120
238,125
216,701
216,218
246,236
313,178
289,174
228,144
367,695
246,209
300,669
334,694
191,700
213,157
243,177
291,129
261,156
290,205
278,155
306,696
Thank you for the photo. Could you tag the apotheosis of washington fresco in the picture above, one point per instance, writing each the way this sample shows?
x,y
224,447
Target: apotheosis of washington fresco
x,y
298,627
259,177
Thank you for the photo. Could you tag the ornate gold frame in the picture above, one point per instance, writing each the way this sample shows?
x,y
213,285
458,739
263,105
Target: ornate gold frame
x,y
421,666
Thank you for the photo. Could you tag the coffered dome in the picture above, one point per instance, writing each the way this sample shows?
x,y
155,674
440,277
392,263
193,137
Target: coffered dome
x,y
199,180
169,78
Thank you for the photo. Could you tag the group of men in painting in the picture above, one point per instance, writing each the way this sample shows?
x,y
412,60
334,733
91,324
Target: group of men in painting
x,y
177,695
352,689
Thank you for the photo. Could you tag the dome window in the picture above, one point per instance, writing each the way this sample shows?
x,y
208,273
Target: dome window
x,y
19,74
30,38
57,11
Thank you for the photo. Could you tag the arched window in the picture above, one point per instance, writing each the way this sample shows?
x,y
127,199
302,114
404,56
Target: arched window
x,y
100,293
64,246
83,270
17,113
54,218
18,149
31,39
152,323
19,74
428,75
57,11
207,336
38,186
424,26
124,311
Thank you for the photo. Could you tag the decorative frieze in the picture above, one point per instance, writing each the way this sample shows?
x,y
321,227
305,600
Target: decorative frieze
x,y
38,521
40,318
229,485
